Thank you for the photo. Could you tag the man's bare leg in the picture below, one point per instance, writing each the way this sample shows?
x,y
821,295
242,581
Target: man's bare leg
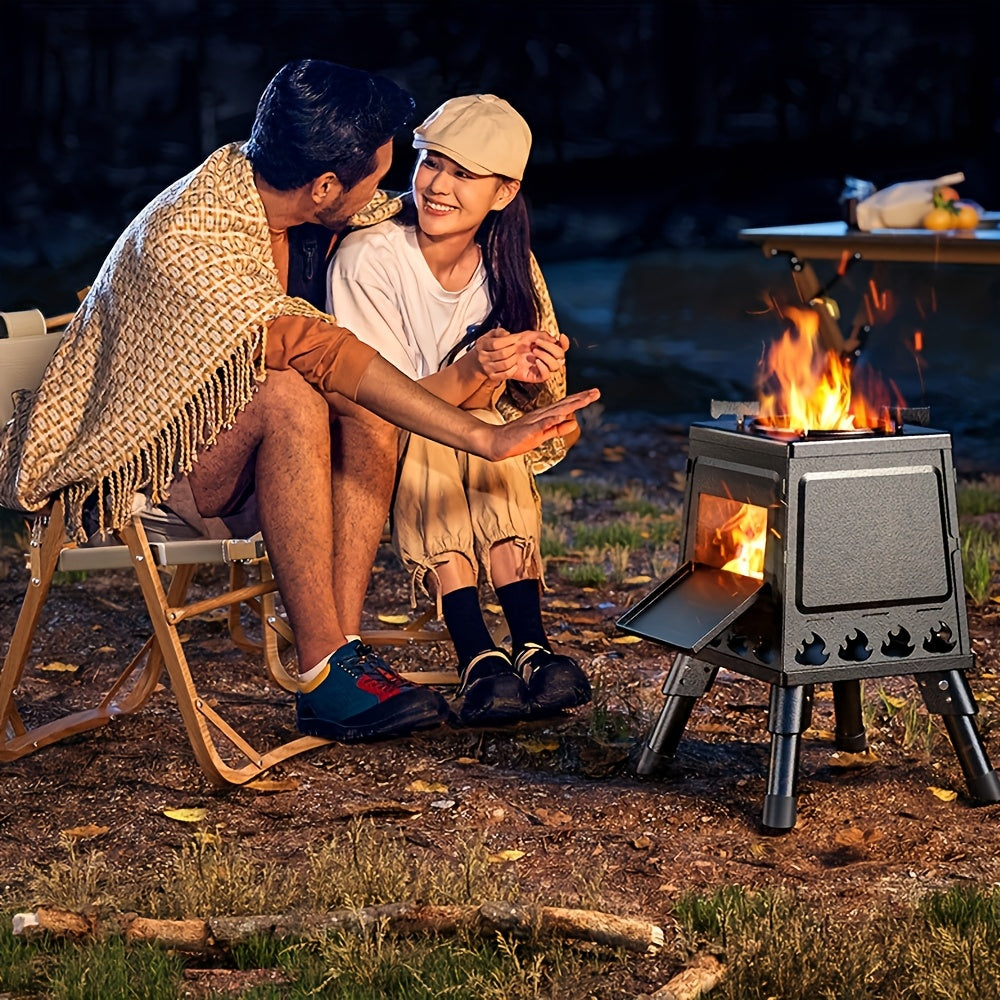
x,y
364,449
280,443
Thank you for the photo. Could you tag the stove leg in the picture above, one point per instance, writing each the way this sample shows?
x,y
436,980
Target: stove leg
x,y
789,714
686,681
850,726
948,694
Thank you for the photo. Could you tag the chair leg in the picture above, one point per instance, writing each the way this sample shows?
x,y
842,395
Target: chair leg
x,y
203,723
131,689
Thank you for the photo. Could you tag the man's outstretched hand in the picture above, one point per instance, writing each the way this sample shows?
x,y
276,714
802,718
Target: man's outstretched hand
x,y
527,432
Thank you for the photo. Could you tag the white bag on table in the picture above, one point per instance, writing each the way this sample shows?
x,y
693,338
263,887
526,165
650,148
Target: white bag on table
x,y
901,206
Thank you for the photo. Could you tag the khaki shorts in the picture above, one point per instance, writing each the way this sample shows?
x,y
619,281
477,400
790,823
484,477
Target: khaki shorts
x,y
450,501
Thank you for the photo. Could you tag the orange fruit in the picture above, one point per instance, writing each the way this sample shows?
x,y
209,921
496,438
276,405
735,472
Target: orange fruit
x,y
968,217
940,218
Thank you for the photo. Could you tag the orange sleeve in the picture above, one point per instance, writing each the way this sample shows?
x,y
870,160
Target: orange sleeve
x,y
324,354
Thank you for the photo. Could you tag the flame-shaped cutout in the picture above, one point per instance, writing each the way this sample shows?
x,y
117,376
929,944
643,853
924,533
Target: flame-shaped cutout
x,y
856,647
898,643
812,652
739,644
940,639
765,651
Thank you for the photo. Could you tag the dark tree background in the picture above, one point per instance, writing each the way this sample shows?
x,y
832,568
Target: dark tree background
x,y
656,124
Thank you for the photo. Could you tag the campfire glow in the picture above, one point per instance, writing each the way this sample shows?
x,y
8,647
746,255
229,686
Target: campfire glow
x,y
731,535
803,386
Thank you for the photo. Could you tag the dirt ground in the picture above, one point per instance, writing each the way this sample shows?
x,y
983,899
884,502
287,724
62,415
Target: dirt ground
x,y
869,834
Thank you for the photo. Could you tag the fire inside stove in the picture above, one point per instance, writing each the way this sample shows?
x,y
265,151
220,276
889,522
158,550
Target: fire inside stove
x,y
731,536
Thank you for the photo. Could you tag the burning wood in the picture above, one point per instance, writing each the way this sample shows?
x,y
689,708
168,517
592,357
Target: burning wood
x,y
804,386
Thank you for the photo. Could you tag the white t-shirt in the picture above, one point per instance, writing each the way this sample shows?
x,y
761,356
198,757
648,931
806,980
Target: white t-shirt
x,y
381,289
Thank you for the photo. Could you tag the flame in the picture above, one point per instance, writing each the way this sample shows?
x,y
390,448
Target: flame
x,y
745,534
804,386
731,535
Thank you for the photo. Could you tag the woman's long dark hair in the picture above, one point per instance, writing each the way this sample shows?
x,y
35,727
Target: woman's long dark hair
x,y
505,240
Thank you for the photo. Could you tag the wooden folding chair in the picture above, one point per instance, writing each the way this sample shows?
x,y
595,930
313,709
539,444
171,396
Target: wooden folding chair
x,y
224,754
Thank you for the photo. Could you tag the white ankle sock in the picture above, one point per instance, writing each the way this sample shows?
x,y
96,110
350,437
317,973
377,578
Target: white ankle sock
x,y
306,676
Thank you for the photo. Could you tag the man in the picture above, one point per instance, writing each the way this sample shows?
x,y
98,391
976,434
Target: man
x,y
190,374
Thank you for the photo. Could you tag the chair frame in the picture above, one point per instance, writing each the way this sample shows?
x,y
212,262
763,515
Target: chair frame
x,y
167,609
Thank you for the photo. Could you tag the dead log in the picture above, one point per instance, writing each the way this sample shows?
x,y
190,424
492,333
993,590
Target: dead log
x,y
702,975
584,925
220,933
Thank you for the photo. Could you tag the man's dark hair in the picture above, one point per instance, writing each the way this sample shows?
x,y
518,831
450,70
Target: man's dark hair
x,y
316,116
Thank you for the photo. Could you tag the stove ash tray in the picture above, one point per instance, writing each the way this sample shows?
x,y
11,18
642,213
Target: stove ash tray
x,y
692,607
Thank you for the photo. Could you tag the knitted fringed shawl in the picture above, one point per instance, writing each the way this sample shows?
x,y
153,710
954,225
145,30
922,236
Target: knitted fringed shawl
x,y
519,398
162,354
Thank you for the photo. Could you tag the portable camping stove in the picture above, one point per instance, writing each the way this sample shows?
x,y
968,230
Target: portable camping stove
x,y
808,558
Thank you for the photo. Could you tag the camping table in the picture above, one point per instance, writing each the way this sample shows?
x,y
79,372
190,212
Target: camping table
x,y
836,241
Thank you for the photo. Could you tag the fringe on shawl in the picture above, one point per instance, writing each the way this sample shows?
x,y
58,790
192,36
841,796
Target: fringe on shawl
x,y
174,450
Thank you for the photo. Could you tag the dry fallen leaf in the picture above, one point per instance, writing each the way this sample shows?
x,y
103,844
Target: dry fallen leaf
x,y
865,759
393,619
81,832
894,701
60,668
539,744
944,794
820,734
624,639
557,603
186,815
552,817
426,786
641,578
508,855
853,837
642,843
493,609
273,785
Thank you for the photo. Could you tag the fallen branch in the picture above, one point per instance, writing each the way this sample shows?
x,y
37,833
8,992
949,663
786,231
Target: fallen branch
x,y
702,975
220,933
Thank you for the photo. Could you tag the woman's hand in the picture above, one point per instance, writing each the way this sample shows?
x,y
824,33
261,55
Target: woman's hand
x,y
528,356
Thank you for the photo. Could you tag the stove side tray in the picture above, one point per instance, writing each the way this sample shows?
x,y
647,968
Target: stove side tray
x,y
693,606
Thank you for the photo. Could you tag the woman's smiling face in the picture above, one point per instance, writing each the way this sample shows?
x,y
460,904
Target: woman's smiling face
x,y
452,200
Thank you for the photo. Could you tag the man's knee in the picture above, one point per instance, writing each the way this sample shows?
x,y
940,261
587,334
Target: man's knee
x,y
285,399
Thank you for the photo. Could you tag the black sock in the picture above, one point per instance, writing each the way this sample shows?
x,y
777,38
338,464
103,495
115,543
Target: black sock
x,y
464,619
522,607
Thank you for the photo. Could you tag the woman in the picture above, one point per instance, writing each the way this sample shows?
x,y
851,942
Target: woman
x,y
436,290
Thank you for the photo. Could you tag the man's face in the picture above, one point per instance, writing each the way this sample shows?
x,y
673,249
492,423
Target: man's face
x,y
341,204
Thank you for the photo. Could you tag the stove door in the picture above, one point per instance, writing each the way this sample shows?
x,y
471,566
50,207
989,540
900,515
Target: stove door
x,y
692,607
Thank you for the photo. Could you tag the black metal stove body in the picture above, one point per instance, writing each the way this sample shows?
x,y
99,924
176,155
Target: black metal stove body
x,y
861,577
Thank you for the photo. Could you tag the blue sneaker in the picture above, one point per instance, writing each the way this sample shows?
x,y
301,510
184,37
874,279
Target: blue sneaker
x,y
554,681
358,696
